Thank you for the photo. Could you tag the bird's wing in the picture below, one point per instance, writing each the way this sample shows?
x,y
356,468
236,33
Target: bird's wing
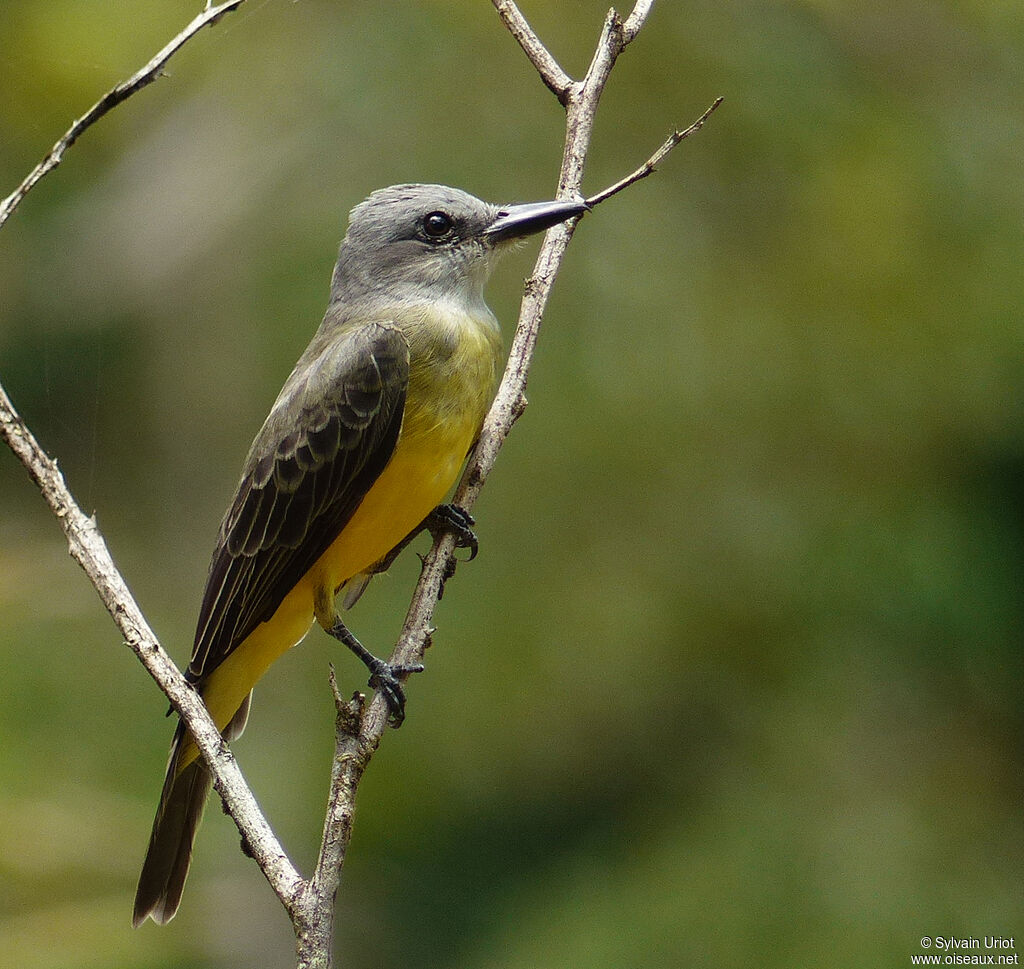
x,y
328,437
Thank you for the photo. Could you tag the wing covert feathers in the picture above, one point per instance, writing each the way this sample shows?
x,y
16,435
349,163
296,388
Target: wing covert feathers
x,y
329,435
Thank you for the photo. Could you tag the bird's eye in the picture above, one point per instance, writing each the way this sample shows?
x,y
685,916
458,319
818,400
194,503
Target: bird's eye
x,y
437,225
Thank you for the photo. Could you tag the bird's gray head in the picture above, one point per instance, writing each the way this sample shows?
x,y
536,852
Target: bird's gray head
x,y
428,242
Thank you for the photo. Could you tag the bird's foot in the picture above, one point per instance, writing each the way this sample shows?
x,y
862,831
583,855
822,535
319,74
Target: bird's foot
x,y
388,680
458,521
384,677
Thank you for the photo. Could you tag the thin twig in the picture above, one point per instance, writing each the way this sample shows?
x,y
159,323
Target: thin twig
x,y
656,159
87,547
635,21
121,92
359,732
510,400
547,67
580,100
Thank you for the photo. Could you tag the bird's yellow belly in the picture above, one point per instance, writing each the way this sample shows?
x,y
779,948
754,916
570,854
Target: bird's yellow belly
x,y
415,481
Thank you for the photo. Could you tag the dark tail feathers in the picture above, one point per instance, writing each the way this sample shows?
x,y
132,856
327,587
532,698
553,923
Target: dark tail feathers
x,y
177,819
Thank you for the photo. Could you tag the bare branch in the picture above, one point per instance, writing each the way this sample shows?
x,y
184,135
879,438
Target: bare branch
x,y
635,21
580,101
354,752
656,159
584,99
110,100
359,727
87,547
551,73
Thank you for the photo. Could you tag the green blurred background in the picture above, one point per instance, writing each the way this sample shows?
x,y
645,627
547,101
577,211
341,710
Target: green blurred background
x,y
736,679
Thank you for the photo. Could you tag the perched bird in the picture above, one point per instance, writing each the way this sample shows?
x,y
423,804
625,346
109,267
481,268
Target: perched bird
x,y
362,444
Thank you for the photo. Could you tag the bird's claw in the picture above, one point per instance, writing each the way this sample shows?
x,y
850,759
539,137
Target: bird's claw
x,y
386,678
458,521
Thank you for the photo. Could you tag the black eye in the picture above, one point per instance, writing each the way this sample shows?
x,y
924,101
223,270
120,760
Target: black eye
x,y
437,224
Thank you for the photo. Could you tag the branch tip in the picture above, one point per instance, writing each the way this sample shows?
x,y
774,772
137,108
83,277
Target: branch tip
x,y
360,726
656,159
635,21
550,71
120,92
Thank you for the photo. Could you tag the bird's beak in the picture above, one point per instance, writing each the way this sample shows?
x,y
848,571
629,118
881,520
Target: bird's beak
x,y
516,221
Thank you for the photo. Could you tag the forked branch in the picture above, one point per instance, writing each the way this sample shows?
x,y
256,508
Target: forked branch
x,y
360,727
115,96
360,738
547,67
86,544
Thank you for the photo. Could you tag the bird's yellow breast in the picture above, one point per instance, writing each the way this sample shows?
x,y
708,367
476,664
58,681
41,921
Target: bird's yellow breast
x,y
453,365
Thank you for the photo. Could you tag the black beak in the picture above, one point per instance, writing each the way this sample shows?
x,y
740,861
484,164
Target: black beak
x,y
515,221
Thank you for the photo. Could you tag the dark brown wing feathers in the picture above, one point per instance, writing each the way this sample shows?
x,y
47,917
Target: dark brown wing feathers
x,y
328,437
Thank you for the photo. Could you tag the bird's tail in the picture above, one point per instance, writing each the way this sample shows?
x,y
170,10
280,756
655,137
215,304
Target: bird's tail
x,y
182,800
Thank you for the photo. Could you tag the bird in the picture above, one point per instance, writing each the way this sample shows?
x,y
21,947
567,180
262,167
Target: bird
x,y
356,456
